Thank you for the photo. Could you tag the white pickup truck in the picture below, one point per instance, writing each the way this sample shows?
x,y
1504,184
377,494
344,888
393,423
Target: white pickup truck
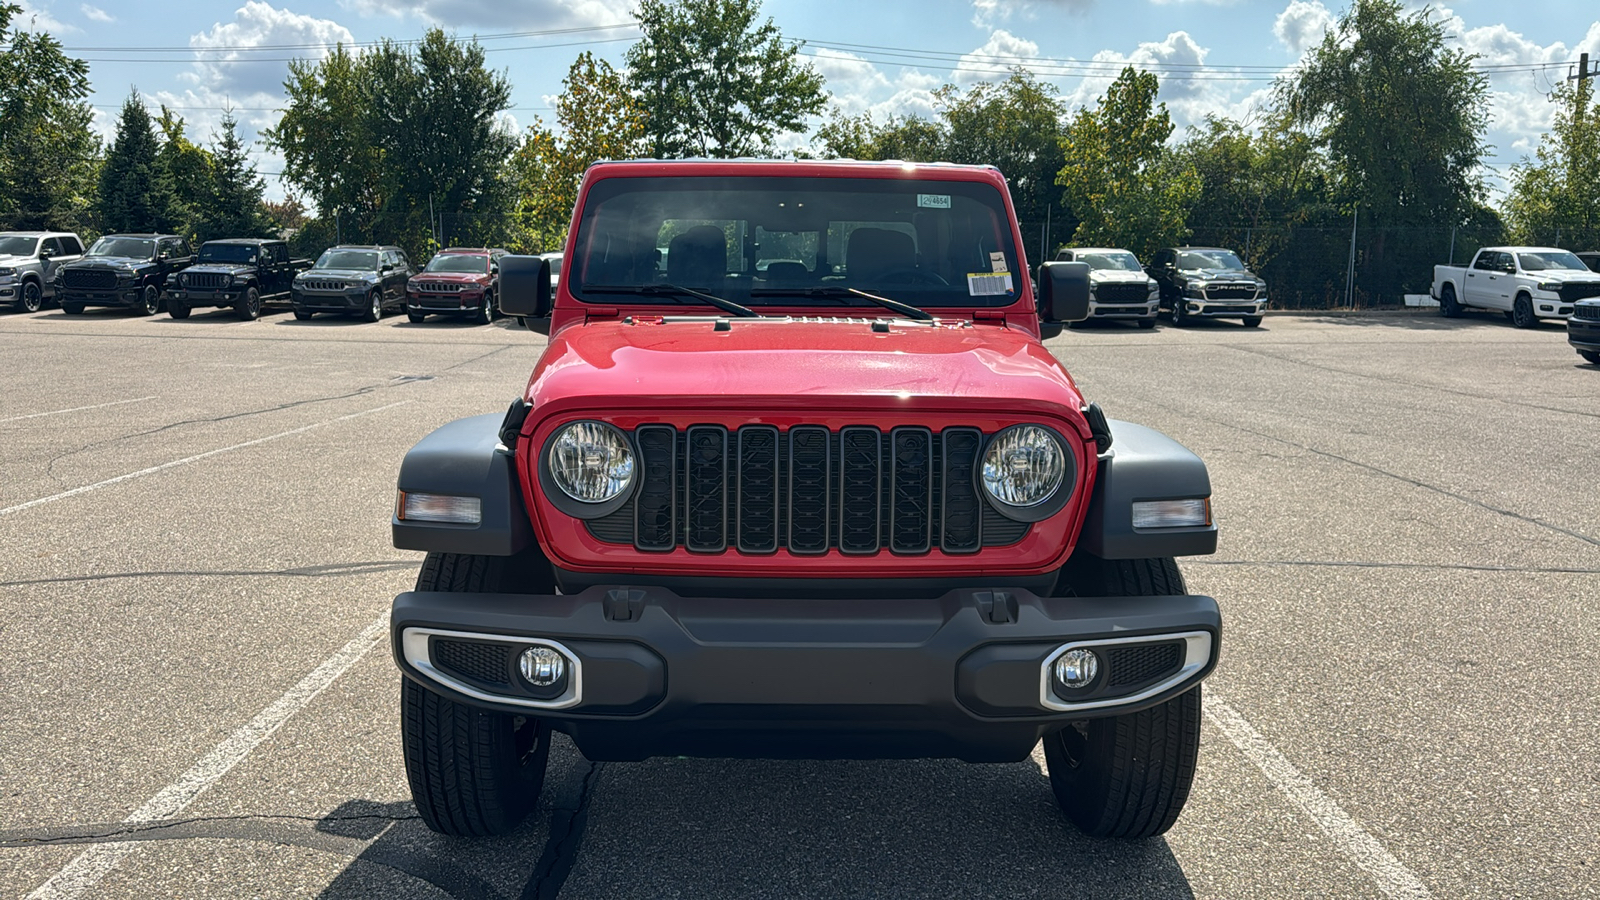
x,y
1525,283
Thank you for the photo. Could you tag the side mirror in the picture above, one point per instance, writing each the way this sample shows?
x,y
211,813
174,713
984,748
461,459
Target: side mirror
x,y
1063,291
44,253
525,290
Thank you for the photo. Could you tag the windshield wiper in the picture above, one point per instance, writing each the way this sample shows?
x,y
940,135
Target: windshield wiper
x,y
844,293
727,306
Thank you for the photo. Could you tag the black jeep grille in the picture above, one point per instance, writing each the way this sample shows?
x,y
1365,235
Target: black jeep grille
x,y
1121,293
1149,662
488,663
206,280
860,490
89,279
1586,311
1579,291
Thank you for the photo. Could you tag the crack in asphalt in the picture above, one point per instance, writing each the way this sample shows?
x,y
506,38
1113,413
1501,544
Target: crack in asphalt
x,y
1448,567
103,833
331,570
561,849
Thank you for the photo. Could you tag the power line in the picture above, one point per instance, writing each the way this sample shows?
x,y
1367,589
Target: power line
x,y
324,45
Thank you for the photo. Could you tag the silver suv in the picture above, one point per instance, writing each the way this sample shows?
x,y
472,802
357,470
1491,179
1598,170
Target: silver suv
x,y
28,263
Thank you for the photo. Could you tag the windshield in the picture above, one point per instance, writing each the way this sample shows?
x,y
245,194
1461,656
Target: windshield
x,y
469,263
1110,260
348,259
777,241
17,245
130,248
228,253
1209,259
1551,259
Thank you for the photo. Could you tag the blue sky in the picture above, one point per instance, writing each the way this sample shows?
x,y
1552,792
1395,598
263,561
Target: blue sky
x,y
882,56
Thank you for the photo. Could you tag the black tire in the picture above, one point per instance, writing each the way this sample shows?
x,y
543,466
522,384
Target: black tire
x,y
72,309
1590,357
1127,776
303,315
1522,312
1147,322
1251,321
149,301
177,309
473,773
1448,307
374,310
416,318
248,306
31,299
484,314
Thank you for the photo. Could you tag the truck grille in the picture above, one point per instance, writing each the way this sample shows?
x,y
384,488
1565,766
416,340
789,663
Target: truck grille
x,y
328,287
442,287
89,279
1121,293
1231,292
860,491
206,280
1579,291
1590,311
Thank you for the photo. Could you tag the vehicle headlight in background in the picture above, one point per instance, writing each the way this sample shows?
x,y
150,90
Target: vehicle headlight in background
x,y
1194,289
591,462
1024,466
1543,285
5,272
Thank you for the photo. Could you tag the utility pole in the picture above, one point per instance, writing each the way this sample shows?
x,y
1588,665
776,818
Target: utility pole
x,y
1583,70
1350,273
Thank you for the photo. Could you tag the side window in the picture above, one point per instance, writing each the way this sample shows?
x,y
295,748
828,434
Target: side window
x,y
1163,258
280,252
1484,261
54,246
71,246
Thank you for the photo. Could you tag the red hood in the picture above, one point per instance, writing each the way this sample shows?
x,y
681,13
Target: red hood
x,y
801,364
451,277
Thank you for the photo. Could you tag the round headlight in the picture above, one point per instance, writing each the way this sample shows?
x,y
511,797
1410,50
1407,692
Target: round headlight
x,y
1024,466
591,462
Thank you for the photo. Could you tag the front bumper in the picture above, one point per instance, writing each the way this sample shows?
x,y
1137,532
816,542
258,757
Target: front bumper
x,y
226,296
1550,306
351,301
123,295
1099,310
1203,308
963,675
443,304
1584,334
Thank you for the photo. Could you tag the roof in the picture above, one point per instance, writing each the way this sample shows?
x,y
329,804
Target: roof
x,y
246,241
146,235
364,247
485,251
837,168
37,234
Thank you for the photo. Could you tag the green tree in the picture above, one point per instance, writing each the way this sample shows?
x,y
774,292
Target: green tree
x,y
1120,180
190,167
44,128
233,202
1402,118
136,191
402,143
1015,125
599,119
1556,198
715,82
910,138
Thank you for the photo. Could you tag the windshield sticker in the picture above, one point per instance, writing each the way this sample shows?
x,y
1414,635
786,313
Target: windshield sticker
x,y
984,284
997,262
934,201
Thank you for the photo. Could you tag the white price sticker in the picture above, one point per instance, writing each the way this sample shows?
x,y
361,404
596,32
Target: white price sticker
x,y
987,284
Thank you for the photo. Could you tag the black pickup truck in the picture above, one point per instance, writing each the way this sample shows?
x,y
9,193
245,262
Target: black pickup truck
x,y
241,273
127,270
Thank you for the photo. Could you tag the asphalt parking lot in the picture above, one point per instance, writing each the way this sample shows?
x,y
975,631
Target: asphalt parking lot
x,y
195,572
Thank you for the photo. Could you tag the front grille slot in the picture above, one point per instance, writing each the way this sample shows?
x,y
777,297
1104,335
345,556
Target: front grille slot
x,y
1121,293
1231,292
1580,291
1588,311
1143,663
208,280
484,662
89,279
859,490
324,286
440,287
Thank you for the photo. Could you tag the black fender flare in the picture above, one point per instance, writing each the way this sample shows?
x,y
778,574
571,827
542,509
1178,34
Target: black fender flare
x,y
1144,464
465,458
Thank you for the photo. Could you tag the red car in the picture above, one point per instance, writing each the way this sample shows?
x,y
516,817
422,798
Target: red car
x,y
796,477
458,281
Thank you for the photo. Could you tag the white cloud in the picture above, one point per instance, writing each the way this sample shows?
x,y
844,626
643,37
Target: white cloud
x,y
226,69
1002,52
39,18
96,14
541,14
986,13
1302,24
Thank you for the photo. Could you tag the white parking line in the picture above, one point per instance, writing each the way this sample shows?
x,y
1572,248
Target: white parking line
x,y
186,460
87,869
1361,848
57,412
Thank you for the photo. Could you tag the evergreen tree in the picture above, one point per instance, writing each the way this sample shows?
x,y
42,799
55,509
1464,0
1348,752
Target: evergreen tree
x,y
44,127
136,193
190,167
233,203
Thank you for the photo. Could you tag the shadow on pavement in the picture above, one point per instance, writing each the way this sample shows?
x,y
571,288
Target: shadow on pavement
x,y
1426,320
708,828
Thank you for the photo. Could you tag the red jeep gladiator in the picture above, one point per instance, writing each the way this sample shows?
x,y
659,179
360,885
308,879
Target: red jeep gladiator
x,y
795,477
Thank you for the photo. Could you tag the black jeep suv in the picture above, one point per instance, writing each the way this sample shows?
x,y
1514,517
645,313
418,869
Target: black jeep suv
x,y
128,270
357,280
241,273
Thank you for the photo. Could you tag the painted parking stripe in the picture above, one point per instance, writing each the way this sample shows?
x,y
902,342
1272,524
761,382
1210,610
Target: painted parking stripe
x,y
86,870
59,412
188,459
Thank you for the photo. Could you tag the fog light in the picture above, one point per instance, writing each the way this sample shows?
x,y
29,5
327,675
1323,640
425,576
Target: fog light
x,y
1077,668
542,666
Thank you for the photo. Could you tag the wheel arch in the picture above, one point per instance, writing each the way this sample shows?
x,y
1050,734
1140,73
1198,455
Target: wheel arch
x,y
465,458
1144,464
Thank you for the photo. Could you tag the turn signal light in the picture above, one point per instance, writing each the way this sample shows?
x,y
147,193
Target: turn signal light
x,y
1172,513
419,507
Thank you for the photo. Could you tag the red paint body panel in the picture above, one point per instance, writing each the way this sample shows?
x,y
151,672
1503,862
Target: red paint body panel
x,y
837,372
